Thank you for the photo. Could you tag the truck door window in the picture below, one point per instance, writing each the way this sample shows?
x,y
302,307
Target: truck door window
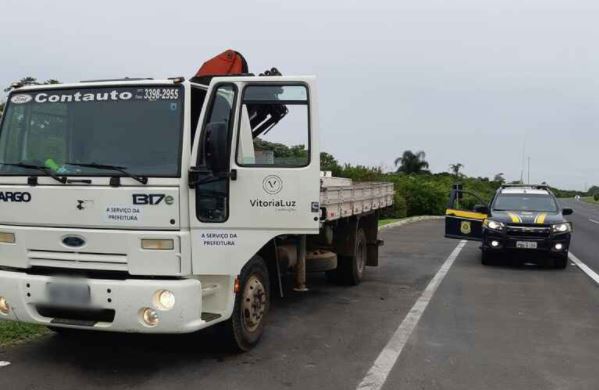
x,y
274,127
212,193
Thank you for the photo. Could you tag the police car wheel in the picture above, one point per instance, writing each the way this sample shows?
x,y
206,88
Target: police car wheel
x,y
486,258
561,262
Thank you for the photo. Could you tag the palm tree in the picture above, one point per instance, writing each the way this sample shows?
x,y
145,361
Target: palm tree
x,y
411,162
455,168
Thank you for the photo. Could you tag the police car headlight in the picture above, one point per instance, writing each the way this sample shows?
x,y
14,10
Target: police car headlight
x,y
493,225
561,228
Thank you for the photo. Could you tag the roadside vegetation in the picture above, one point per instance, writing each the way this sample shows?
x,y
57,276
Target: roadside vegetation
x,y
591,199
14,332
387,221
419,191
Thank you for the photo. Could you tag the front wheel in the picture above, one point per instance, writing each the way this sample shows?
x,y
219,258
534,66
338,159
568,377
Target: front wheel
x,y
487,258
252,303
561,262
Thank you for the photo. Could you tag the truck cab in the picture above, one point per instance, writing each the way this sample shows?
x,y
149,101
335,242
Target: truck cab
x,y
137,205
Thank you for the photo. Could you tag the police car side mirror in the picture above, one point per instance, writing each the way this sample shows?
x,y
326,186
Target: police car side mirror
x,y
567,211
481,208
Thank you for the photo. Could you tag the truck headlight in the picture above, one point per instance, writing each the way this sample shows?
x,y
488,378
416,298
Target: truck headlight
x,y
493,225
149,316
158,244
4,306
164,300
7,238
561,228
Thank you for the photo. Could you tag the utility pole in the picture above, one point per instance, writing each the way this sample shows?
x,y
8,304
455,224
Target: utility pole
x,y
523,154
528,169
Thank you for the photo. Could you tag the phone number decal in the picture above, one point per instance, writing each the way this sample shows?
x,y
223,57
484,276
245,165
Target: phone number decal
x,y
158,94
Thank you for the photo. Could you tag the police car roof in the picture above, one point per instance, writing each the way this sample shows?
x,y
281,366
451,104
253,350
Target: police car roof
x,y
524,190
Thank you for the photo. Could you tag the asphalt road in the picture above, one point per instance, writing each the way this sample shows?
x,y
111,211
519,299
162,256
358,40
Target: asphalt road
x,y
484,328
585,241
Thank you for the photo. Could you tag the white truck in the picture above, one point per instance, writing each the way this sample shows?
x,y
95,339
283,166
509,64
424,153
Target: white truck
x,y
168,206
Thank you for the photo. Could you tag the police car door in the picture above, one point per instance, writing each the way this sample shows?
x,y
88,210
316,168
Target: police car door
x,y
464,215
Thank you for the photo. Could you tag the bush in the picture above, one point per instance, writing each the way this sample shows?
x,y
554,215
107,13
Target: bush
x,y
596,197
421,194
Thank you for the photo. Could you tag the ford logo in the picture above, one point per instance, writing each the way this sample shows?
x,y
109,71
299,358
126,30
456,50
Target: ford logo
x,y
20,99
73,241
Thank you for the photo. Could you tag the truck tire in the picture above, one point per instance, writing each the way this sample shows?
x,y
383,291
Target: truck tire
x,y
351,268
252,303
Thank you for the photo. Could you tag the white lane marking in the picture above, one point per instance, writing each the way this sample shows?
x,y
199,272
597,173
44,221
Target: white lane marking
x,y
584,268
378,373
4,364
592,220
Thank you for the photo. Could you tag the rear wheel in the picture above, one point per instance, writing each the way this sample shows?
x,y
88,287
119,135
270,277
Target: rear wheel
x,y
351,268
252,303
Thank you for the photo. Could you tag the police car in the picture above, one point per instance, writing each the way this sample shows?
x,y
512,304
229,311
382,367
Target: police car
x,y
523,221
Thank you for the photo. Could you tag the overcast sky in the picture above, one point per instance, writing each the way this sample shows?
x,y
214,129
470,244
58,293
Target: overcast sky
x,y
466,81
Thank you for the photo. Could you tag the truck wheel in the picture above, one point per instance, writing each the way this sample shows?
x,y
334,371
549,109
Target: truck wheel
x,y
352,267
252,303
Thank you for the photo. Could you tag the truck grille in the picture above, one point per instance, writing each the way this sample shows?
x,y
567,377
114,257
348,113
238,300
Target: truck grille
x,y
77,260
528,231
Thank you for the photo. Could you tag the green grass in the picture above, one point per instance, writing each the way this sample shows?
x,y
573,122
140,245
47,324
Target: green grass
x,y
590,199
387,221
14,332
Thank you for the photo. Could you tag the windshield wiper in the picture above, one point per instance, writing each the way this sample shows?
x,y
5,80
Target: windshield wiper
x,y
123,170
41,168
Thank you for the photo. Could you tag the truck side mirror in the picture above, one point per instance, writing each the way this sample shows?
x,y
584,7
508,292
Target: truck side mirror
x,y
481,208
567,211
216,148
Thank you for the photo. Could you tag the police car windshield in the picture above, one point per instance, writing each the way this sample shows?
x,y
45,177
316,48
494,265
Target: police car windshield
x,y
138,128
524,202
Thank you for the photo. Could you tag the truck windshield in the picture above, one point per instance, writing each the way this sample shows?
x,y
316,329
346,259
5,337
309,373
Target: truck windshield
x,y
525,202
138,129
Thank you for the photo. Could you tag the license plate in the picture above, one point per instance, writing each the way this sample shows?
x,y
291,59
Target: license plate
x,y
526,244
68,293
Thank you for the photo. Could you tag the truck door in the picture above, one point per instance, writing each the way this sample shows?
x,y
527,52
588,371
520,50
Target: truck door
x,y
269,185
465,214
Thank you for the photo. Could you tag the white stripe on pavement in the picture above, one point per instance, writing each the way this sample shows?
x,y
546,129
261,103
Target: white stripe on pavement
x,y
584,268
592,220
378,373
4,364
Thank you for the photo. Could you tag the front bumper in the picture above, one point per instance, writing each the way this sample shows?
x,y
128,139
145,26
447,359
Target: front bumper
x,y
119,301
508,243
